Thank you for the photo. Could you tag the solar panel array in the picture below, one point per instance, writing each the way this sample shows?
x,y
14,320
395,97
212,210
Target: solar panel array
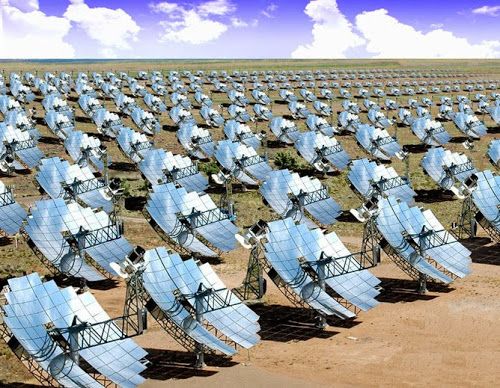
x,y
290,195
185,217
419,238
58,179
446,167
33,305
242,162
494,151
376,180
172,282
52,227
486,197
289,243
12,214
377,142
85,242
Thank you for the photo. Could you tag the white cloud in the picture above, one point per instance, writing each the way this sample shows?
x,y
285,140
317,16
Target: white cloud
x,y
192,29
399,40
216,7
384,36
193,25
333,34
240,23
269,11
25,5
112,29
436,25
487,10
26,32
165,7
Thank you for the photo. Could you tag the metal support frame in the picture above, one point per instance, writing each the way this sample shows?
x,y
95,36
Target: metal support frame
x,y
254,285
16,145
40,374
140,146
91,238
179,173
308,198
373,241
325,151
197,219
456,169
382,141
299,202
247,161
206,300
78,187
240,136
198,140
7,198
428,239
432,132
468,220
383,184
83,335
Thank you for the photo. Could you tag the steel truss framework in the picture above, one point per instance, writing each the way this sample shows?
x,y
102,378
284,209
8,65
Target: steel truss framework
x,y
456,169
247,161
325,151
180,173
7,198
244,135
198,140
254,285
432,132
382,141
468,220
91,238
384,184
78,187
84,335
16,145
141,146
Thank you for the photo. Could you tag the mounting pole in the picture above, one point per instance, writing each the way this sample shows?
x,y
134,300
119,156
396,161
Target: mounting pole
x,y
422,284
321,323
406,161
200,355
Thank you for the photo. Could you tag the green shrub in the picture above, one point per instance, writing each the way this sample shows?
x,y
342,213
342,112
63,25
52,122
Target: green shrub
x,y
286,160
208,168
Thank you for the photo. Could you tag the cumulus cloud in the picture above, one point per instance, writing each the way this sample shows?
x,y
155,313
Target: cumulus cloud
x,y
489,10
27,32
240,23
399,40
216,7
112,29
269,11
383,36
193,25
333,35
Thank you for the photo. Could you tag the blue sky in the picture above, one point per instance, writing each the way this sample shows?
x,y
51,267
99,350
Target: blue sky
x,y
249,29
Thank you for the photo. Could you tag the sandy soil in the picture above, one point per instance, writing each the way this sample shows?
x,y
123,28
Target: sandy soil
x,y
448,337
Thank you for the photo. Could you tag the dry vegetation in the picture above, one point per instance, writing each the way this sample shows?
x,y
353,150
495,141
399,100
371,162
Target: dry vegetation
x,y
15,260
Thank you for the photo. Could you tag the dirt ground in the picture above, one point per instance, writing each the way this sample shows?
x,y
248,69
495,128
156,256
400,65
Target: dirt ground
x,y
447,337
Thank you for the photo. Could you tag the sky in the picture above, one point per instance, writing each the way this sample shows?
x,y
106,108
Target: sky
x,y
31,29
